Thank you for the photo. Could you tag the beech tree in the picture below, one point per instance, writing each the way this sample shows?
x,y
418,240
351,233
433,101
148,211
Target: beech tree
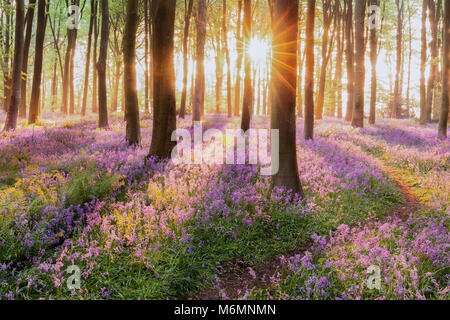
x,y
14,101
199,91
101,67
358,111
39,54
284,75
129,75
309,76
443,118
164,117
248,90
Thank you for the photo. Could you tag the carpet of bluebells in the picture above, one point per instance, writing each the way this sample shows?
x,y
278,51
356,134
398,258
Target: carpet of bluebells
x,y
137,228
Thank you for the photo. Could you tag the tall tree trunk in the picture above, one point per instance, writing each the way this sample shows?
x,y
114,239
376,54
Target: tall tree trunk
x,y
300,65
327,18
248,90
219,71
373,60
239,48
309,75
88,59
6,53
133,131
396,112
94,59
146,61
358,111
339,58
227,57
13,109
434,19
199,93
284,73
350,49
101,67
26,49
164,118
187,22
115,95
423,60
37,74
408,89
443,118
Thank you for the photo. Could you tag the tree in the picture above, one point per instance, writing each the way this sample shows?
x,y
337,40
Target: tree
x,y
26,48
349,53
423,59
68,65
39,53
199,93
227,56
187,21
443,118
434,17
164,117
129,76
396,105
327,10
101,67
248,90
284,75
373,60
88,58
309,76
239,48
358,111
13,109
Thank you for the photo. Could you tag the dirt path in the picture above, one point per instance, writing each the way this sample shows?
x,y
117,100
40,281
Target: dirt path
x,y
240,276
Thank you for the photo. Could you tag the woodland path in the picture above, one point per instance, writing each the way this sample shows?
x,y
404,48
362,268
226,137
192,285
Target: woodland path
x,y
239,276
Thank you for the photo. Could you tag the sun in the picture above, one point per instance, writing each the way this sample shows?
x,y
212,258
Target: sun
x,y
258,50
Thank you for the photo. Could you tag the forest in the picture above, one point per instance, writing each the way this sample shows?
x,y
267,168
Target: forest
x,y
224,149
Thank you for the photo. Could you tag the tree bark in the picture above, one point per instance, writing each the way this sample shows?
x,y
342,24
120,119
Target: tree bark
x,y
199,93
101,67
239,48
164,118
227,57
13,109
94,59
284,74
434,19
309,76
26,49
396,105
187,22
373,60
358,111
37,75
88,59
350,60
248,90
443,118
133,133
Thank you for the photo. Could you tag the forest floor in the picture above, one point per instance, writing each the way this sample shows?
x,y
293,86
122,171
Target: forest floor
x,y
75,195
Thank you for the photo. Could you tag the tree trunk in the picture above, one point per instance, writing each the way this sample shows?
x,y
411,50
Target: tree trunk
x,y
13,109
248,90
423,60
443,118
26,49
350,60
284,74
146,62
239,48
6,52
199,93
327,18
219,71
434,19
373,60
164,117
37,75
227,57
115,95
94,59
396,105
358,111
133,133
88,59
309,75
101,67
187,19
